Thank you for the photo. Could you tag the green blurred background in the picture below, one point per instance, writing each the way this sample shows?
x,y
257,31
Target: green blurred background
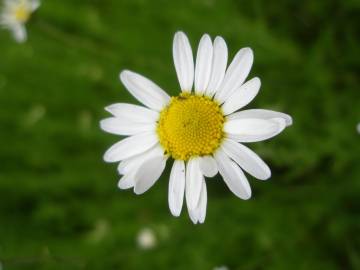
x,y
59,203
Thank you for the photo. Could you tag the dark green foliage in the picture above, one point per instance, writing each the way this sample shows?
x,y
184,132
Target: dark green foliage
x,y
59,204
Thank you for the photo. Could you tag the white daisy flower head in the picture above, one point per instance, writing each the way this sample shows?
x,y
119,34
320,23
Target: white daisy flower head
x,y
15,14
200,129
146,239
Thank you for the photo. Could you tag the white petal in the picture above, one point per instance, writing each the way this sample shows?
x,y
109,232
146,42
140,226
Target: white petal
x,y
261,114
242,96
183,61
19,33
194,180
198,214
132,164
253,130
233,176
127,181
193,214
177,187
124,127
202,204
248,160
208,166
235,74
133,113
144,90
220,57
148,173
130,147
203,64
9,2
35,4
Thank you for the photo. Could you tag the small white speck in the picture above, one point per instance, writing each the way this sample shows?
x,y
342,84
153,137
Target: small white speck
x,y
223,267
146,239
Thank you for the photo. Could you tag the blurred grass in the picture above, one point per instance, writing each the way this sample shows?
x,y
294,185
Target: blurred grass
x,y
60,208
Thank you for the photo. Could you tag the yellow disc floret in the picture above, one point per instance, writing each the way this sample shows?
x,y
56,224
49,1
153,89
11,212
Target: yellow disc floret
x,y
22,13
190,126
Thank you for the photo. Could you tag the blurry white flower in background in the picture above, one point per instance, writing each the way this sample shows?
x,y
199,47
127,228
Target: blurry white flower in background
x,y
146,239
223,267
358,128
15,14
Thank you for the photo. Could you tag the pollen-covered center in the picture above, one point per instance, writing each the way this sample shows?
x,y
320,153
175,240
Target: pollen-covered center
x,y
190,126
22,13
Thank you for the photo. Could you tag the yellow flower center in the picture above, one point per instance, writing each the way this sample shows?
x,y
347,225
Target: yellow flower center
x,y
190,126
22,13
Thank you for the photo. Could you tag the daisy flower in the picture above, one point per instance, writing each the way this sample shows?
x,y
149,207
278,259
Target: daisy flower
x,y
15,15
200,129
